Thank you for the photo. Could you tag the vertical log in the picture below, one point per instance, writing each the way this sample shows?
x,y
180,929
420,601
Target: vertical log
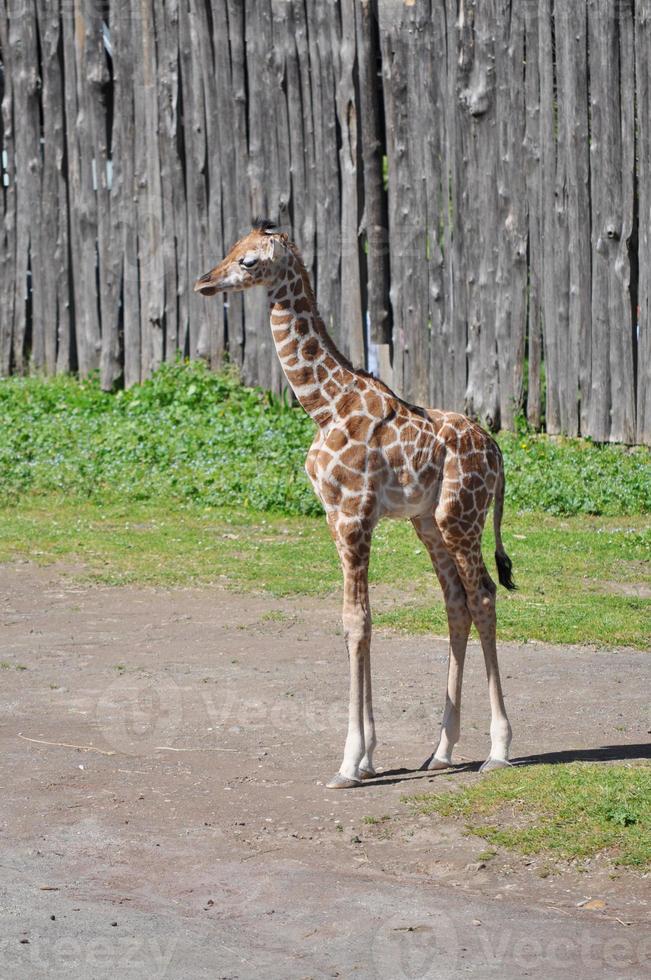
x,y
425,257
27,175
195,150
230,73
436,178
395,100
148,184
278,153
374,223
547,200
623,340
328,200
612,415
476,108
258,32
572,72
300,132
511,297
8,228
532,143
643,312
174,217
211,340
403,30
457,267
94,75
57,322
82,201
557,306
123,25
351,315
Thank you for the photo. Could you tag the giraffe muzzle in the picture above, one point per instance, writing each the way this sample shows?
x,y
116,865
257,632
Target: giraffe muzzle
x,y
206,285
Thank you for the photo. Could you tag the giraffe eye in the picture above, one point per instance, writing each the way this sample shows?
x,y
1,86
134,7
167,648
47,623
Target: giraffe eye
x,y
249,261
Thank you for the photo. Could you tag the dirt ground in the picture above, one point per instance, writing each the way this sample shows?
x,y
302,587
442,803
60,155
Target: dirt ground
x,y
164,812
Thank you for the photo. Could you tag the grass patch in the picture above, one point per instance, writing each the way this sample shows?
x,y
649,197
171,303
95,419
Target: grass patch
x,y
570,811
560,565
190,477
562,568
190,436
186,435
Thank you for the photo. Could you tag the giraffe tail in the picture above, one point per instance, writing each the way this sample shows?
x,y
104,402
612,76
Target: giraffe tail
x,y
502,560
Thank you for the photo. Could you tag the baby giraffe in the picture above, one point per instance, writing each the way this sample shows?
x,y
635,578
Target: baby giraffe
x,y
373,456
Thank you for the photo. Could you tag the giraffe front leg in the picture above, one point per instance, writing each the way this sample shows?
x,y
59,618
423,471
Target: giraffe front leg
x,y
366,768
353,545
357,631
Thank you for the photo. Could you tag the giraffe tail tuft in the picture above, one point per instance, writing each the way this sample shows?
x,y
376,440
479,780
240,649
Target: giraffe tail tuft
x,y
502,560
504,567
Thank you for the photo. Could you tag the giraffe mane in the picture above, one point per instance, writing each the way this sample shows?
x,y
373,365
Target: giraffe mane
x,y
265,225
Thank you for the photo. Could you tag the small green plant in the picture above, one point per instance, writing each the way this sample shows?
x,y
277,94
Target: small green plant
x,y
275,616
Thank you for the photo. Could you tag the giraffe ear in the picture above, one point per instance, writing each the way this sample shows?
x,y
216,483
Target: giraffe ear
x,y
276,249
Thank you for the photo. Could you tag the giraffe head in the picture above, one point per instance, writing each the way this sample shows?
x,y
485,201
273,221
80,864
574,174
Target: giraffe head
x,y
255,260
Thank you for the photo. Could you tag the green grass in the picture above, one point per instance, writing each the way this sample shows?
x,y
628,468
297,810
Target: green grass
x,y
186,435
191,436
563,567
570,811
191,477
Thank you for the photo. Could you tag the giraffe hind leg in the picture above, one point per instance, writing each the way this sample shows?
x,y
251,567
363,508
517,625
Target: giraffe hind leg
x,y
480,592
459,623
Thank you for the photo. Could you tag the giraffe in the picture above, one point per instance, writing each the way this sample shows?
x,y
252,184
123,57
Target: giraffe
x,y
373,456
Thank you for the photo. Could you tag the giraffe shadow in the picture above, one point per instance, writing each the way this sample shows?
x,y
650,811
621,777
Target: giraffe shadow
x,y
605,753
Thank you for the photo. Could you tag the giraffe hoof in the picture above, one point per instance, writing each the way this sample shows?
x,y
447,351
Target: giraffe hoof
x,y
343,782
492,764
367,773
432,764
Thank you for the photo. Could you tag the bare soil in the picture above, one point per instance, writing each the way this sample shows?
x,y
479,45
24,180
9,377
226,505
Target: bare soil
x,y
164,812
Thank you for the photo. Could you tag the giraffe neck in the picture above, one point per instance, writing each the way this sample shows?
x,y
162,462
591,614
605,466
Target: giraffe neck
x,y
317,372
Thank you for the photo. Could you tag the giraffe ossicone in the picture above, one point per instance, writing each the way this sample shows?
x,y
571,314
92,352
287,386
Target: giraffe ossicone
x,y
373,456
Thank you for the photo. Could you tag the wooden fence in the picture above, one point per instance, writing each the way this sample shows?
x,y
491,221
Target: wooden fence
x,y
469,180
